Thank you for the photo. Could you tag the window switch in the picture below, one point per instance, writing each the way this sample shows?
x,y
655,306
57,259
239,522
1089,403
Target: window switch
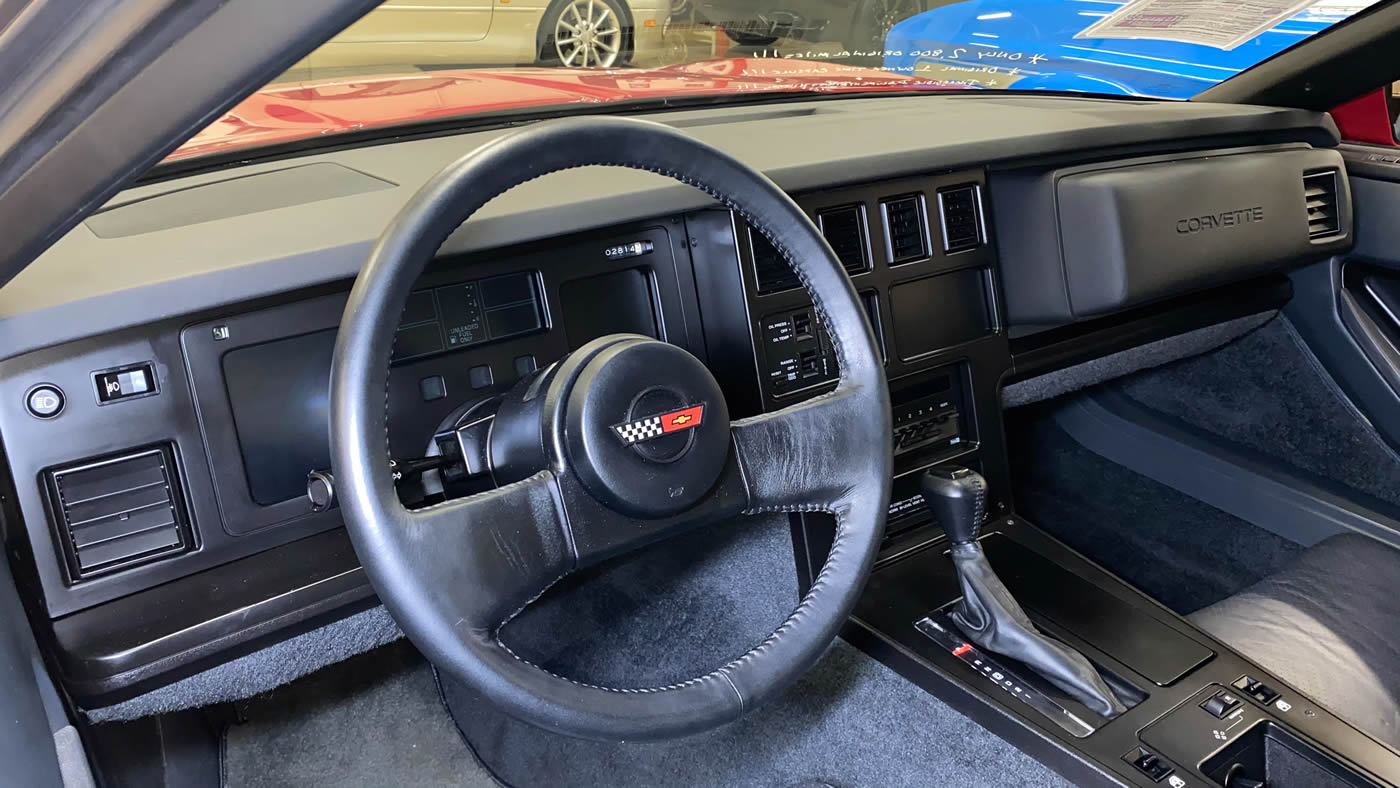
x,y
1256,689
1220,704
1264,694
1148,763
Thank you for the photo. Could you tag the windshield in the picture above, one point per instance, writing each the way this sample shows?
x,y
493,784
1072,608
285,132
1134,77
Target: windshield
x,y
414,61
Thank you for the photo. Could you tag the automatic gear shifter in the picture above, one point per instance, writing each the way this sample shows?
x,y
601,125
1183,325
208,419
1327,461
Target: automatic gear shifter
x,y
987,614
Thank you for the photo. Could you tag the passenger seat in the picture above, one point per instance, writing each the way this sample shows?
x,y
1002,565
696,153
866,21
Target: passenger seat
x,y
1329,624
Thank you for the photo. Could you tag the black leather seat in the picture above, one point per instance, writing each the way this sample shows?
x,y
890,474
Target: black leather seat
x,y
1329,625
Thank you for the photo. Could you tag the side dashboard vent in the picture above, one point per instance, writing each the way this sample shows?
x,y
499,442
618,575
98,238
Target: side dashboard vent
x,y
844,229
771,271
904,228
960,212
119,511
1320,190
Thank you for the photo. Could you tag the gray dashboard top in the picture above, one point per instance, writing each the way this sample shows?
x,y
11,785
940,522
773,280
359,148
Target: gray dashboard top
x,y
89,284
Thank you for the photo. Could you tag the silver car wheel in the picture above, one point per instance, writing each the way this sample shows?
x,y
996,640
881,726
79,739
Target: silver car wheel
x,y
588,33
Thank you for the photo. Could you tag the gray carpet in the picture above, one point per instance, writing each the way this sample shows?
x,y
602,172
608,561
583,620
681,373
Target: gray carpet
x,y
850,722
685,608
680,608
1179,551
1267,393
374,720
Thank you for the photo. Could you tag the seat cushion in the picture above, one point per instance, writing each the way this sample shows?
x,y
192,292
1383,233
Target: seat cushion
x,y
1329,625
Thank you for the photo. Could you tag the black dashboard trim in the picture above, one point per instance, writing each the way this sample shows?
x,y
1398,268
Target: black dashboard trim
x,y
1057,348
116,651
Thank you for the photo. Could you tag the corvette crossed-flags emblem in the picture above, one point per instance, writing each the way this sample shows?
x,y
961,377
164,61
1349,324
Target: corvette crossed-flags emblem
x,y
662,424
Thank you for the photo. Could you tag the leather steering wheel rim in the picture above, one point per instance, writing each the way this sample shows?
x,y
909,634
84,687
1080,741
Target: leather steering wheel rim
x,y
453,574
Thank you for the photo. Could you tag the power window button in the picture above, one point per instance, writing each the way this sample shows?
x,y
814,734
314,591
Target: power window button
x,y
1149,763
1220,704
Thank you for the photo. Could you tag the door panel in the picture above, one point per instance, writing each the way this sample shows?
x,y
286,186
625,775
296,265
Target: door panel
x,y
409,32
1348,310
442,21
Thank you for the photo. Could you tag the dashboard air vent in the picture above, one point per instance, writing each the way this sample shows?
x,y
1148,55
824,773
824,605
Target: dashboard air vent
x,y
1320,190
770,269
904,228
960,211
844,229
119,511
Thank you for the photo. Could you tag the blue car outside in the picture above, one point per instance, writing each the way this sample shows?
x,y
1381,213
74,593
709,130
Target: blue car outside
x,y
1031,45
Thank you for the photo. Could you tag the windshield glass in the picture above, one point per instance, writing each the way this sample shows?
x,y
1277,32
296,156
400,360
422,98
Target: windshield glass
x,y
411,61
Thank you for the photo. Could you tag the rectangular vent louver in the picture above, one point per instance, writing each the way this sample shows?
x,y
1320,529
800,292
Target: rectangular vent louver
x,y
844,229
770,269
119,511
1320,190
960,211
904,228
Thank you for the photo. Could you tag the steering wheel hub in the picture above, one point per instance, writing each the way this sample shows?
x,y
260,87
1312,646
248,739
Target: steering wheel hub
x,y
646,428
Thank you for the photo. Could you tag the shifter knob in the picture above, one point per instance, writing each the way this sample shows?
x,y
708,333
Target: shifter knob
x,y
957,499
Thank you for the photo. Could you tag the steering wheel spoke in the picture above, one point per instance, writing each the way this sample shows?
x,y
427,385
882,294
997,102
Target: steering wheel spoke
x,y
491,554
800,458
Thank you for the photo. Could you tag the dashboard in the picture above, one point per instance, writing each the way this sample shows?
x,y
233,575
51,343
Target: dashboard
x,y
167,395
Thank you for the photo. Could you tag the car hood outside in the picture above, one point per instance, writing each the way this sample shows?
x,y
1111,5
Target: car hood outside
x,y
295,111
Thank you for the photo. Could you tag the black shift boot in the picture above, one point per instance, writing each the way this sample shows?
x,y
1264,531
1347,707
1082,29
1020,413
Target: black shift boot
x,y
987,614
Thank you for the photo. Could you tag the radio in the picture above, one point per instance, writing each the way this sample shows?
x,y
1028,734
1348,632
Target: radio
x,y
931,423
926,415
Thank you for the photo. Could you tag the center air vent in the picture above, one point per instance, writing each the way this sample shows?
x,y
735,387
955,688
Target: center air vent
x,y
119,511
960,211
1320,190
904,228
770,269
844,229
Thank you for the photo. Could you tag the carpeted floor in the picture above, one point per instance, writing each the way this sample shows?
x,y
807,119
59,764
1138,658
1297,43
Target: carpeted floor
x,y
374,720
671,612
1181,552
1266,392
685,608
849,722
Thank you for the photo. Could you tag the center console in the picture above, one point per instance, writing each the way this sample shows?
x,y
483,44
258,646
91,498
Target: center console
x,y
1200,711
1198,714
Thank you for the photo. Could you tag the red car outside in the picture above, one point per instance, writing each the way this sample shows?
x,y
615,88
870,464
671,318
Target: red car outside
x,y
292,111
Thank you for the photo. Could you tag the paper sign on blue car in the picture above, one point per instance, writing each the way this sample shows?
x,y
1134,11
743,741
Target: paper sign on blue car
x,y
1151,48
1224,24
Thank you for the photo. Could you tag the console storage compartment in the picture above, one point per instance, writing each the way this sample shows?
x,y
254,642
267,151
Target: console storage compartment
x,y
1272,755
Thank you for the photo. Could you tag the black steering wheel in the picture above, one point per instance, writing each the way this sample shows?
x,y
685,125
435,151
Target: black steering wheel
x,y
622,443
